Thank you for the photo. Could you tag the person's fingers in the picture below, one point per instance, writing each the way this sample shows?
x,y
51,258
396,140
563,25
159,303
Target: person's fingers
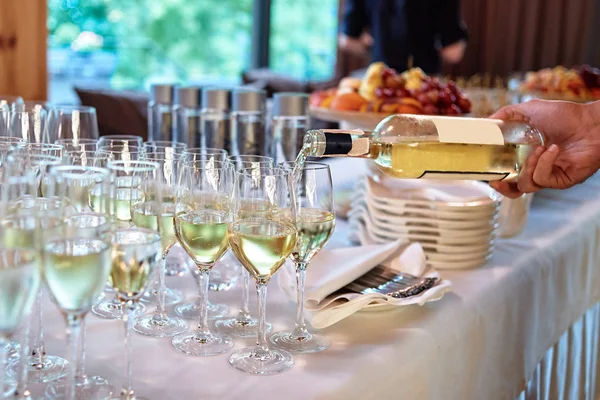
x,y
508,189
517,112
544,170
525,181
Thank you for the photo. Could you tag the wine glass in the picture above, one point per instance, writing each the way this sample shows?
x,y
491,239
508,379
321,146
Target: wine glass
x,y
315,222
76,264
29,123
200,153
48,149
166,146
202,214
123,140
136,256
19,282
32,217
122,152
76,145
88,158
244,325
126,175
72,122
262,242
145,212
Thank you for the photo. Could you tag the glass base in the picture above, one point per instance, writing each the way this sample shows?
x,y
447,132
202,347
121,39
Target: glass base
x,y
254,360
192,310
160,326
240,328
225,274
202,345
175,268
110,310
53,368
172,297
300,344
92,388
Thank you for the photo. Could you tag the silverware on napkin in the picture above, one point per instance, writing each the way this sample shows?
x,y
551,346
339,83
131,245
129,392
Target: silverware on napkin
x,y
390,283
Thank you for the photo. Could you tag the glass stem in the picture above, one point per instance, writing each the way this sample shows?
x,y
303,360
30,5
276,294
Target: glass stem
x,y
80,374
203,278
261,289
300,330
129,317
3,357
159,314
23,366
38,352
244,312
73,342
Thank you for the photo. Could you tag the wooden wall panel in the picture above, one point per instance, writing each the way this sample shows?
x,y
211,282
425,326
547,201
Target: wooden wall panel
x,y
23,49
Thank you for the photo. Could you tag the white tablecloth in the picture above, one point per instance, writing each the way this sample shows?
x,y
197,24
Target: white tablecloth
x,y
484,341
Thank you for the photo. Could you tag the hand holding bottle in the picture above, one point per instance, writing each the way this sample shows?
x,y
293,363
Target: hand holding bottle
x,y
572,154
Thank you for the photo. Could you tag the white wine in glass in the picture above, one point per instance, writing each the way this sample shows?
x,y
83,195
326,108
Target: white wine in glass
x,y
262,244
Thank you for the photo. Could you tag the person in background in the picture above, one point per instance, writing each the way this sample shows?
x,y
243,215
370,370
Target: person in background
x,y
405,33
572,151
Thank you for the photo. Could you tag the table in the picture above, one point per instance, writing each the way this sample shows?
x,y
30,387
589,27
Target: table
x,y
524,326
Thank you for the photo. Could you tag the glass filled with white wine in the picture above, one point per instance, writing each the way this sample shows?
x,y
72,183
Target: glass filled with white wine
x,y
154,209
19,283
27,219
262,242
315,222
136,254
201,218
127,176
76,263
243,324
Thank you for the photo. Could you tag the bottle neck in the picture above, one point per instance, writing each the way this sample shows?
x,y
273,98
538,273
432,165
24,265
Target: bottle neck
x,y
336,143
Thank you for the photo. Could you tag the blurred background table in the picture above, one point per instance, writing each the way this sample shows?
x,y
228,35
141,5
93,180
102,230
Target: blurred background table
x,y
526,325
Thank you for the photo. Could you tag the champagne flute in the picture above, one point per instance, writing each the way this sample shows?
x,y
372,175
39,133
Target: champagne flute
x,y
72,122
315,222
202,214
244,325
76,265
19,282
78,145
262,242
135,259
146,211
129,140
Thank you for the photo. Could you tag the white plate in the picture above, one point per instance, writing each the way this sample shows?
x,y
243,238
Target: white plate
x,y
441,195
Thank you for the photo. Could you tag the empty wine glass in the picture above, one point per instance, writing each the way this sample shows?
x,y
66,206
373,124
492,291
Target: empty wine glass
x,y
122,152
200,153
262,243
166,146
146,212
123,140
29,123
72,122
315,222
76,265
88,158
76,145
202,214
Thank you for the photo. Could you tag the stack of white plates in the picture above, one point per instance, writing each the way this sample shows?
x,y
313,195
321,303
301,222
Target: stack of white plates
x,y
455,221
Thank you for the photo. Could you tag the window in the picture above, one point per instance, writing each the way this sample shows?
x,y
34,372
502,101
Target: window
x,y
128,44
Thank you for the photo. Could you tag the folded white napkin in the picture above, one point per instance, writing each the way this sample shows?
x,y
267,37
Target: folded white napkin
x,y
333,269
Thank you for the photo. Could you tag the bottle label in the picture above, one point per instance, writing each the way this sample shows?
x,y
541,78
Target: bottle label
x,y
468,130
476,176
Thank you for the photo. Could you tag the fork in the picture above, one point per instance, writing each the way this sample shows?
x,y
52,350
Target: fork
x,y
395,284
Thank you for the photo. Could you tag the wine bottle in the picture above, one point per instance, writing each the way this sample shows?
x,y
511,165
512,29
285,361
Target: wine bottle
x,y
430,147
